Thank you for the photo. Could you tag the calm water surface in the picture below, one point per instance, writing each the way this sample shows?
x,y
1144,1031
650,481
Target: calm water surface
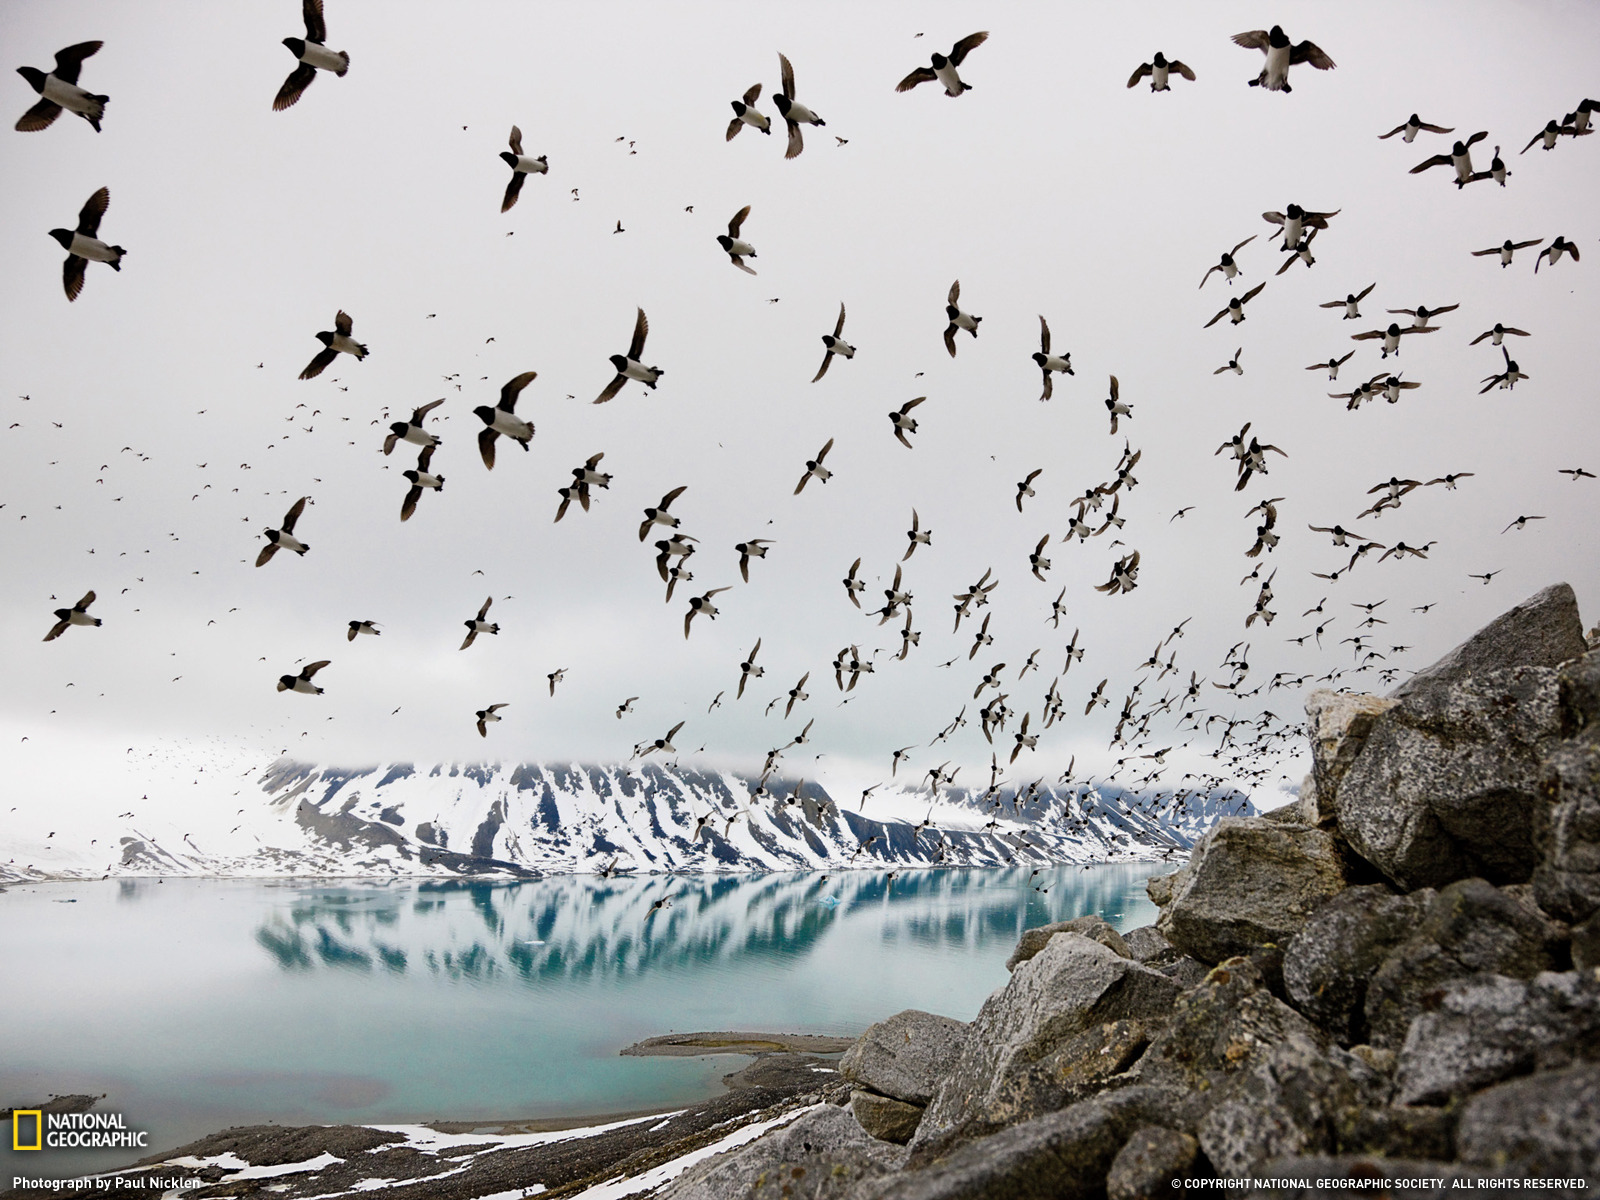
x,y
197,1004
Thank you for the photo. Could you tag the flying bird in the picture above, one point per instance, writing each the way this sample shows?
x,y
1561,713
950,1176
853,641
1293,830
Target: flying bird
x,y
943,70
745,113
794,113
1235,307
479,624
420,478
1351,305
630,366
701,606
1413,125
754,548
916,536
521,167
659,514
78,614
59,89
903,422
503,419
1060,363
748,669
835,344
958,319
1159,70
302,681
815,469
81,244
360,627
736,249
486,715
1226,265
335,341
284,539
1281,55
1554,251
313,54
1116,406
1459,159
1506,250
412,431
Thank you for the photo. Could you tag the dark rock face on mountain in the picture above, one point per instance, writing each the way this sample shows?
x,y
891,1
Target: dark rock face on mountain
x,y
1397,975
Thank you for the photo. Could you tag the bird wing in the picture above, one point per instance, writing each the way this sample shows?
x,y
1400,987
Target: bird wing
x,y
1207,275
1438,160
266,554
734,126
1273,218
1435,128
955,292
920,75
1113,387
41,116
294,86
513,388
612,388
316,26
1362,294
800,487
786,75
407,507
823,453
797,141
1310,52
1216,318
513,190
738,220
1181,69
424,458
516,141
753,94
900,434
1044,335
838,328
1142,70
293,514
311,669
1521,245
967,44
1490,250
72,275
486,438
910,404
343,323
320,363
1251,294
472,635
69,61
827,357
93,209
641,330
1253,39
950,339
484,611
666,501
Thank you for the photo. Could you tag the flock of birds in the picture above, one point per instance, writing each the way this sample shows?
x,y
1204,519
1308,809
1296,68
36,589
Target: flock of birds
x,y
1245,749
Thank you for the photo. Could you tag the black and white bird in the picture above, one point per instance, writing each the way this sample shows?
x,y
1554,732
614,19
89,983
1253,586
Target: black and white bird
x,y
1235,307
1504,379
479,624
748,669
1579,118
658,515
1520,524
1554,251
1281,55
854,586
313,54
630,366
302,682
746,113
1551,132
487,715
1047,362
83,244
1227,265
58,89
1331,366
78,614
1025,486
1295,221
356,628
1160,70
335,341
1422,314
1499,333
502,419
1391,336
1232,364
412,430
916,536
736,249
1351,304
943,70
1459,160
420,478
754,548
284,539
1124,575
794,113
521,167
1037,561
1413,125
625,707
835,344
815,469
1116,406
701,606
1506,250
904,423
958,319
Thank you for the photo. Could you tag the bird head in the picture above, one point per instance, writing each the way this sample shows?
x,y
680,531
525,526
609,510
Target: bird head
x,y
485,414
34,76
64,236
619,361
297,46
510,158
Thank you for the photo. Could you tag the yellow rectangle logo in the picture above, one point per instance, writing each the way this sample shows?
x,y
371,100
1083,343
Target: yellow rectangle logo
x,y
16,1128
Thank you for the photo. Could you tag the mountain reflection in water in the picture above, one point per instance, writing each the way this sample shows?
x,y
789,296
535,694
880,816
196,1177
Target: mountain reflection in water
x,y
585,927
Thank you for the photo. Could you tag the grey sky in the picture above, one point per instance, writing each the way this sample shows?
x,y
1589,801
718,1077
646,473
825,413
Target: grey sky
x,y
1050,188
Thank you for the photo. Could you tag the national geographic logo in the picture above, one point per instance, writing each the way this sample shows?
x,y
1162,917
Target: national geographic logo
x,y
35,1129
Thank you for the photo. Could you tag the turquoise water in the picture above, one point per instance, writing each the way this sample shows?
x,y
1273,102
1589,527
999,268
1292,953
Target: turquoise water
x,y
197,1004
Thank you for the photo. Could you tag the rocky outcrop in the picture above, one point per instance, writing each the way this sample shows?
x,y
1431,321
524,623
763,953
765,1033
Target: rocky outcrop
x,y
1248,882
1398,975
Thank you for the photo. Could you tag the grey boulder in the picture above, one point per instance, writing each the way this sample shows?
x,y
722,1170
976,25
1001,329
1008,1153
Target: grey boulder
x,y
1149,1162
1547,1125
1095,928
1327,967
907,1056
884,1118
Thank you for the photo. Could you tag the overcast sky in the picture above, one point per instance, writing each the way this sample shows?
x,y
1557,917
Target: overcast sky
x,y
1049,188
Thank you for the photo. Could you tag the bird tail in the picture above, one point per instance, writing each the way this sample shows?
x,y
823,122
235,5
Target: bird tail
x,y
346,57
97,622
116,263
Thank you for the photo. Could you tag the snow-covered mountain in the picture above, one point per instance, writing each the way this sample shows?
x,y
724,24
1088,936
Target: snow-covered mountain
x,y
528,819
